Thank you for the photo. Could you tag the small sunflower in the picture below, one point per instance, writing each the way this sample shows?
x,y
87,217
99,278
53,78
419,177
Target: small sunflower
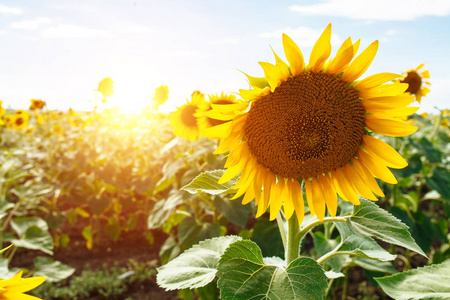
x,y
161,95
416,84
20,122
206,117
312,124
15,287
9,121
22,113
184,121
37,104
106,88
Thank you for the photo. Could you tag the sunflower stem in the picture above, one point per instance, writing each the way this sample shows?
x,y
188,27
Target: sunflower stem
x,y
282,229
293,242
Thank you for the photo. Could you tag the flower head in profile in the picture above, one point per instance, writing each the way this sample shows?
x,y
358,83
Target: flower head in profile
x,y
161,94
106,88
184,120
37,104
416,82
15,287
309,125
206,117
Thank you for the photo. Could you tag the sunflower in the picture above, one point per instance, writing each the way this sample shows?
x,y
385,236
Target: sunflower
x,y
161,94
37,104
22,114
184,121
206,117
415,80
106,88
312,125
20,122
14,287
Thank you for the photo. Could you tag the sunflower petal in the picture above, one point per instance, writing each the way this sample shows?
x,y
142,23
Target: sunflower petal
x,y
384,90
384,103
318,198
222,130
273,74
309,196
329,194
361,63
340,61
425,74
256,82
389,126
379,148
288,200
375,80
293,55
343,187
282,66
353,177
276,199
297,200
376,167
367,177
321,51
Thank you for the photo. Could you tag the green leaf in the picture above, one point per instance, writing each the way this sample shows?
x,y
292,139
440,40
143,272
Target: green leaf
x,y
440,181
164,208
196,267
429,282
362,247
22,224
323,245
207,182
427,149
267,235
113,229
169,250
54,270
369,220
35,238
233,210
244,275
5,272
374,265
191,232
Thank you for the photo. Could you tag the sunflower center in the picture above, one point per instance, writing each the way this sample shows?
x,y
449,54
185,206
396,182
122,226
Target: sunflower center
x,y
19,121
187,115
311,124
414,81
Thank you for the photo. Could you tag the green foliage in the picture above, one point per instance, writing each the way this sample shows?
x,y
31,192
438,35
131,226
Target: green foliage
x,y
429,282
207,182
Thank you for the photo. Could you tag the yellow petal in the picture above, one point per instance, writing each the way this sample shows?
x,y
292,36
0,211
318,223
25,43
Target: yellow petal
x,y
293,55
375,80
288,200
379,148
273,74
249,196
343,187
222,130
329,194
256,82
317,198
282,66
230,142
353,177
297,200
213,114
341,60
367,177
393,102
309,196
233,171
276,199
361,63
237,154
376,167
389,126
425,74
384,90
321,51
394,113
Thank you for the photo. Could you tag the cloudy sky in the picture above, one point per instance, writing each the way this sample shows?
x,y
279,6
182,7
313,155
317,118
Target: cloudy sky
x,y
59,50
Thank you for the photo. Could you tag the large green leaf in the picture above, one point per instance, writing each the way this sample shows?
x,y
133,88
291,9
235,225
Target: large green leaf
x,y
164,208
369,220
267,235
233,210
440,181
362,247
196,267
35,238
374,265
54,270
207,182
244,275
191,232
21,224
429,282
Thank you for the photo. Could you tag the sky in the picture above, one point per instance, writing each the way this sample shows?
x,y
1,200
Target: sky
x,y
59,50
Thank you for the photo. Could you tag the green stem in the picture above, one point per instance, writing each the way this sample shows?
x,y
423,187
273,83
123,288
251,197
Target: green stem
x,y
345,287
293,242
311,225
282,230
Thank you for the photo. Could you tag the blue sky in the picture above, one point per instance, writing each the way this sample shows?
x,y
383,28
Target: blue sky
x,y
59,50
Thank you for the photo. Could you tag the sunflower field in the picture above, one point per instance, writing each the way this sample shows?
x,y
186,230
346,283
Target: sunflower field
x,y
318,182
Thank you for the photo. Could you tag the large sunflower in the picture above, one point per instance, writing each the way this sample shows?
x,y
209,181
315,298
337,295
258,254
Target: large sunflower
x,y
415,80
184,120
312,125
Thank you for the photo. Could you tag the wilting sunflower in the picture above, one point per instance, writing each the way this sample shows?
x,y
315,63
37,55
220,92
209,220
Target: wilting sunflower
x,y
313,124
415,80
37,104
206,118
15,287
161,94
184,121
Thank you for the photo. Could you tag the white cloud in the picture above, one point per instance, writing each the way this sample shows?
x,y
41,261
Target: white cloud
x,y
401,10
224,41
438,96
73,31
7,10
302,36
31,24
